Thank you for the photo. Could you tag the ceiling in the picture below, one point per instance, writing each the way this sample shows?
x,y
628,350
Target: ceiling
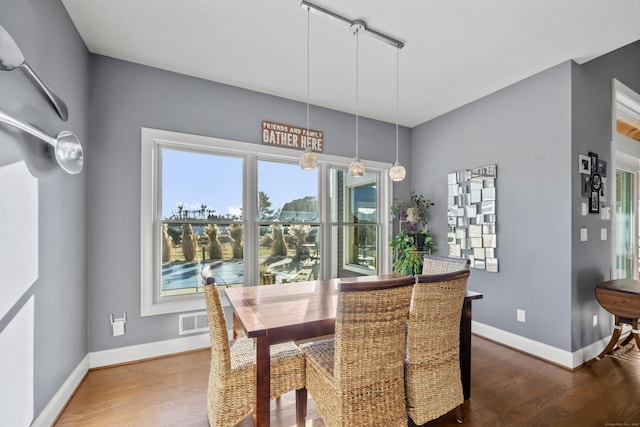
x,y
456,51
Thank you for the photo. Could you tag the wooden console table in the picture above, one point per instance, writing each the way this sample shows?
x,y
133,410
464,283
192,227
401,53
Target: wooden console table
x,y
620,297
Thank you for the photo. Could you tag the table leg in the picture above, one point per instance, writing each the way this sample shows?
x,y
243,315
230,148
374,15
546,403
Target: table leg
x,y
626,341
237,326
465,349
261,413
635,332
615,336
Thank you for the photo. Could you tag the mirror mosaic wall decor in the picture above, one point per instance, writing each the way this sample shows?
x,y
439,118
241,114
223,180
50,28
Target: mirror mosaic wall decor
x,y
472,216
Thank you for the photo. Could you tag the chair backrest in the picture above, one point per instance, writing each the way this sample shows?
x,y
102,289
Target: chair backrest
x,y
437,264
220,351
371,331
434,316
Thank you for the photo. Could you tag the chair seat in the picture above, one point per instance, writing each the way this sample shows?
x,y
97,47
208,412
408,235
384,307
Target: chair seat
x,y
320,354
287,365
243,353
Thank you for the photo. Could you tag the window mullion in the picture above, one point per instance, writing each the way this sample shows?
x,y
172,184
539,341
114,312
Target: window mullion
x,y
250,215
324,210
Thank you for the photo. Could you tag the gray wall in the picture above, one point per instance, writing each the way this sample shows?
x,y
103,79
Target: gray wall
x,y
534,131
127,96
591,129
524,129
49,41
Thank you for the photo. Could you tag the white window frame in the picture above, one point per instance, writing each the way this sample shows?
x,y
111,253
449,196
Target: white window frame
x,y
152,140
347,241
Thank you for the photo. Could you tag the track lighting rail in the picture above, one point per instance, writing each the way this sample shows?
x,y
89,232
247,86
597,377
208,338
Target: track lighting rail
x,y
377,34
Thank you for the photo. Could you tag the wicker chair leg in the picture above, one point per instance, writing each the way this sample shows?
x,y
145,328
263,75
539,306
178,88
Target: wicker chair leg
x,y
460,414
411,423
301,406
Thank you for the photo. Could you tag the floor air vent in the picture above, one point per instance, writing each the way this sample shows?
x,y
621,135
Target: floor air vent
x,y
190,323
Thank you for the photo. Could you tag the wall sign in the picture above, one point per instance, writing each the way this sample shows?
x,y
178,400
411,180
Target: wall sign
x,y
472,216
292,137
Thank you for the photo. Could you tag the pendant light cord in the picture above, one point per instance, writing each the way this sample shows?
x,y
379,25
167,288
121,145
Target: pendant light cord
x,y
308,37
357,87
397,91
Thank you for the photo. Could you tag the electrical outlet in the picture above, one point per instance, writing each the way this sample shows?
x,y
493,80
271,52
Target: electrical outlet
x,y
521,315
595,320
118,324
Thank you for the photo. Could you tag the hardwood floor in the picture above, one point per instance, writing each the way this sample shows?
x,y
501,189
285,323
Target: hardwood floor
x,y
508,388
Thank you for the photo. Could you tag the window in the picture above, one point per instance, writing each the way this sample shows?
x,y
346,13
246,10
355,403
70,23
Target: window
x,y
246,214
355,223
288,223
201,220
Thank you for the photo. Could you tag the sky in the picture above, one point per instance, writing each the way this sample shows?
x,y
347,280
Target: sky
x,y
194,179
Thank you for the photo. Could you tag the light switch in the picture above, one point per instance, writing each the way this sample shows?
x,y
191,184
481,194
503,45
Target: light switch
x,y
585,209
603,234
584,235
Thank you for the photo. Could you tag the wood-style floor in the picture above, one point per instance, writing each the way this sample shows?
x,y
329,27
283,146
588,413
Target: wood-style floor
x,y
508,388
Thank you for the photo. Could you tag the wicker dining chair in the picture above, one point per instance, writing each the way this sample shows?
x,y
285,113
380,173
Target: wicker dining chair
x,y
232,376
432,361
356,378
434,264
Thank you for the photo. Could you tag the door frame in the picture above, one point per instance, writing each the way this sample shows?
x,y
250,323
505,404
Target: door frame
x,y
625,155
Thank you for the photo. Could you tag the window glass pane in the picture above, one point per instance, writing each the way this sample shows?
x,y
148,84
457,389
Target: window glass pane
x,y
201,186
362,246
363,199
286,192
201,199
191,248
624,226
289,253
353,199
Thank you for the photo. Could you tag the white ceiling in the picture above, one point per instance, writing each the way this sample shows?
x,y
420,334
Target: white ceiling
x,y
456,51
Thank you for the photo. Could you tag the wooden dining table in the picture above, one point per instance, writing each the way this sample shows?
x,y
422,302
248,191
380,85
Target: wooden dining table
x,y
302,310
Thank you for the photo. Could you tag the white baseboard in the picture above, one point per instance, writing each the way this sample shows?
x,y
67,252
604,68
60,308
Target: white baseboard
x,y
132,353
535,348
62,396
113,357
589,352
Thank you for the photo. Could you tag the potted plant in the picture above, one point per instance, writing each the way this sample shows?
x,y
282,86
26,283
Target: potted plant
x,y
413,239
413,209
407,254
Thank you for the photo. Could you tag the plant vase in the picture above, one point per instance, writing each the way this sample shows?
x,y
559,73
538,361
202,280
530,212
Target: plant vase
x,y
413,215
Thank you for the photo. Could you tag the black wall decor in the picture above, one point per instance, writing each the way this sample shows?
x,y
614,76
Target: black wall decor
x,y
593,179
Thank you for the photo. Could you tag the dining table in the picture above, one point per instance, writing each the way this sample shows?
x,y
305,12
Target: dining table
x,y
296,311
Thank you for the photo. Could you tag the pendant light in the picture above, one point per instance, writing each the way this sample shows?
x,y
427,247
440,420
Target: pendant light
x,y
308,158
356,168
397,172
